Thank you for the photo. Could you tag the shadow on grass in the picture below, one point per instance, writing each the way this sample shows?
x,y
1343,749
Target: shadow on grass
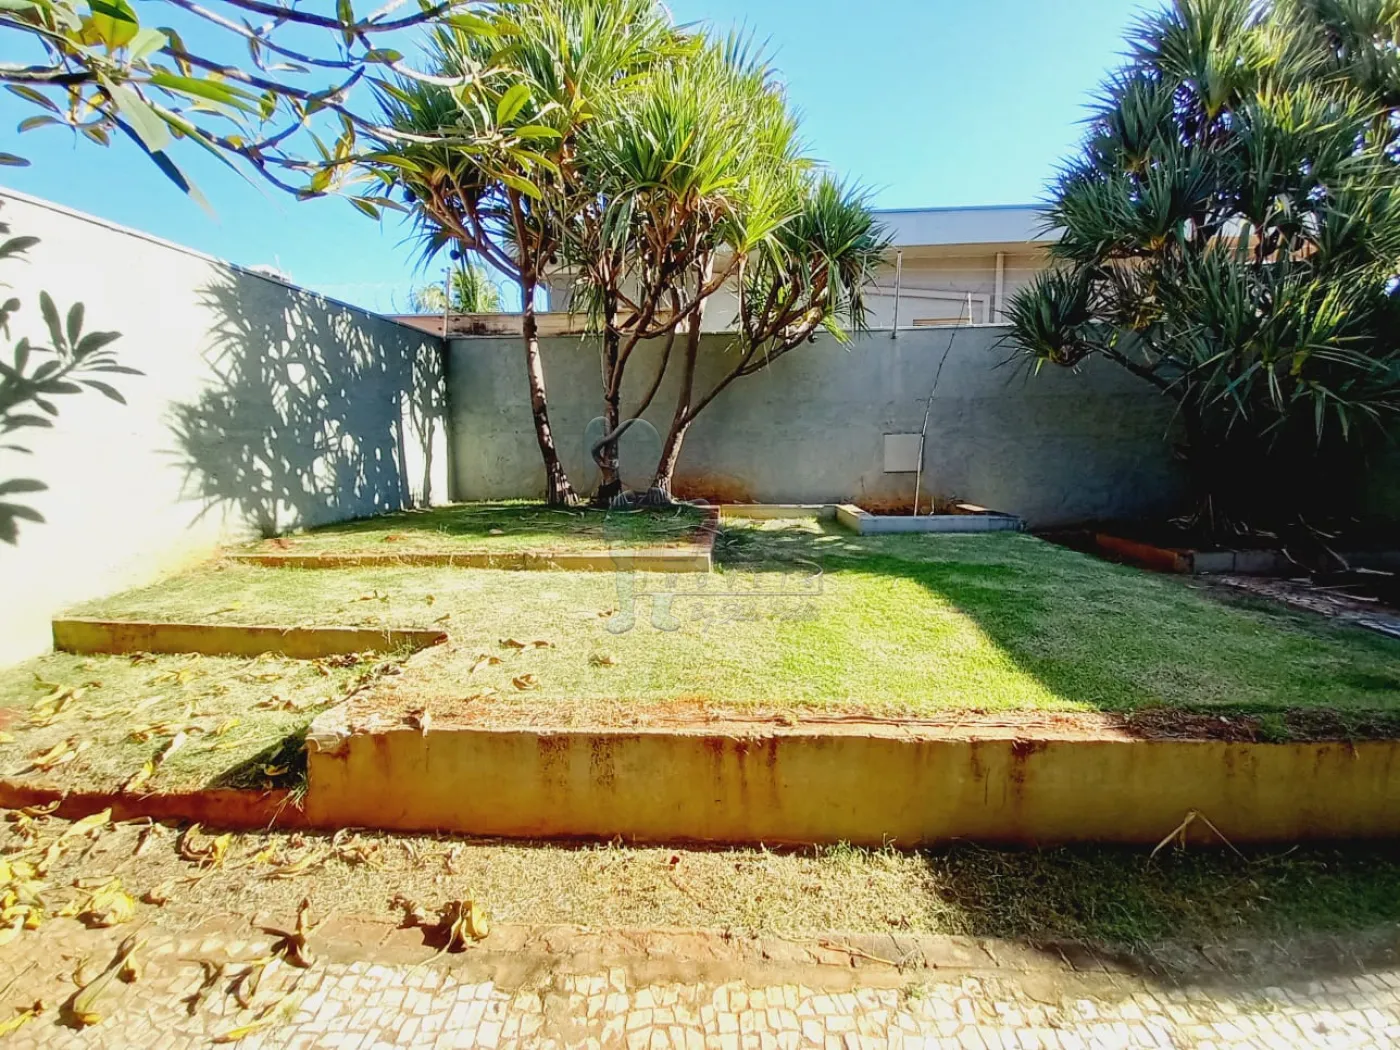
x,y
1125,899
279,765
316,414
1116,639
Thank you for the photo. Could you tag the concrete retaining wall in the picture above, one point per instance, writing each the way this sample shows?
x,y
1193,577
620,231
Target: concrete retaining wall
x,y
867,785
261,407
1055,448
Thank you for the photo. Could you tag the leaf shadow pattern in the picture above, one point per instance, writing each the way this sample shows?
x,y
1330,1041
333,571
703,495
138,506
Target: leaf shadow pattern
x,y
35,375
317,412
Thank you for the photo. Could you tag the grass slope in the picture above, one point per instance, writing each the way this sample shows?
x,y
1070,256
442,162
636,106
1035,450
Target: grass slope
x,y
495,527
802,615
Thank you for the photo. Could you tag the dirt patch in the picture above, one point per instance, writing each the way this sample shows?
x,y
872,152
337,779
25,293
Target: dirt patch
x,y
1175,905
713,488
403,700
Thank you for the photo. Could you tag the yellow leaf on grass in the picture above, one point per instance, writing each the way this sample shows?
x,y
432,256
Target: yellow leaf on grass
x,y
303,864
484,660
138,779
6,738
274,771
88,824
226,725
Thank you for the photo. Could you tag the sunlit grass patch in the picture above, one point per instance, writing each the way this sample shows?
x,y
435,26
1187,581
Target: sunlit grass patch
x,y
801,616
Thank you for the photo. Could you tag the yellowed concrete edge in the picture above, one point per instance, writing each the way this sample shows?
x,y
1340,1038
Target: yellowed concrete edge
x,y
850,516
776,511
210,639
694,558
807,785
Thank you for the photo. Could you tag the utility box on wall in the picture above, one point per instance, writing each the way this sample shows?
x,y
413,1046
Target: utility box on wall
x,y
902,453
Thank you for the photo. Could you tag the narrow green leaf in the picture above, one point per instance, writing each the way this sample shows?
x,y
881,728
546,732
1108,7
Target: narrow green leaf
x,y
537,131
144,120
214,90
114,22
9,160
30,123
511,103
146,42
521,185
30,95
364,207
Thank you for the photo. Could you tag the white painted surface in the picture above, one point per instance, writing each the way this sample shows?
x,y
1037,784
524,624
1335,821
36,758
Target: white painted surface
x,y
261,408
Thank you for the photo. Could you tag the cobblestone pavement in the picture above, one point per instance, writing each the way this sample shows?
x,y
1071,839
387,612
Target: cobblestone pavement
x,y
351,1003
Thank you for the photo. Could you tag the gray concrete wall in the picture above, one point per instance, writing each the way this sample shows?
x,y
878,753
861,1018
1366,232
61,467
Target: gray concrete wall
x,y
1055,448
261,408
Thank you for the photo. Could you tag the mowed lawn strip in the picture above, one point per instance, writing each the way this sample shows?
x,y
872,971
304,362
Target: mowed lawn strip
x,y
802,616
496,528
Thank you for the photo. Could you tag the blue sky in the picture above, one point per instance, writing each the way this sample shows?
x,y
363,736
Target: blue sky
x,y
926,102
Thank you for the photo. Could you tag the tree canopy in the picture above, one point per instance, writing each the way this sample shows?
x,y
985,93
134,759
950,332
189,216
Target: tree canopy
x,y
1230,229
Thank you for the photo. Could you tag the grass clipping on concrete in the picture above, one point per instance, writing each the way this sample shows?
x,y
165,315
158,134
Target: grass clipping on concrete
x,y
167,723
802,617
498,528
1114,897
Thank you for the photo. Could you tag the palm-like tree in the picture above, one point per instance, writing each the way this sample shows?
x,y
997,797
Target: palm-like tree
x,y
805,274
1230,233
671,176
509,198
696,182
472,292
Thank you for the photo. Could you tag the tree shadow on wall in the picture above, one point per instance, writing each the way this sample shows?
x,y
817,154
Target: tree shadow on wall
x,y
315,413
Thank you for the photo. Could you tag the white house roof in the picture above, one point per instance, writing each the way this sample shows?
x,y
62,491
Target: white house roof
x,y
992,224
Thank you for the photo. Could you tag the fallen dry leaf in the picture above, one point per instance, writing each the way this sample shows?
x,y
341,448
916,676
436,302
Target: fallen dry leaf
x,y
202,850
511,643
302,865
274,1013
525,682
484,660
108,906
603,660
23,1015
292,944
84,1005
464,920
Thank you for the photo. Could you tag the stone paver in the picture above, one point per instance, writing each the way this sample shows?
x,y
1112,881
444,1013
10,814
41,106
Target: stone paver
x,y
341,1004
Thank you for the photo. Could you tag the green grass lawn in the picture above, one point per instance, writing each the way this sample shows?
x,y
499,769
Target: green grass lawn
x,y
800,615
239,722
497,527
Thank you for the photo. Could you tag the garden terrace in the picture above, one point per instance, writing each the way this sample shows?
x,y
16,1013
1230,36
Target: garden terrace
x,y
801,617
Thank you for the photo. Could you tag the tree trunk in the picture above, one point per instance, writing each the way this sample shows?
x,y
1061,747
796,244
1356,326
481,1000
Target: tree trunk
x,y
558,491
681,419
610,482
